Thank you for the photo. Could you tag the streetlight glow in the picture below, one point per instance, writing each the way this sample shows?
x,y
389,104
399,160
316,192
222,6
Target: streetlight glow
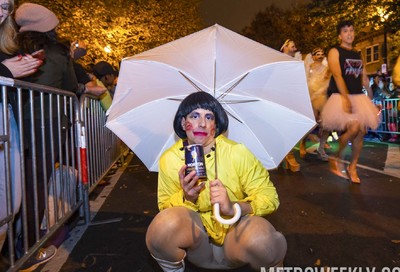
x,y
107,49
383,14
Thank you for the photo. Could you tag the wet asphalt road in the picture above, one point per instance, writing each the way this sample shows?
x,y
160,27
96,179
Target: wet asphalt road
x,y
327,221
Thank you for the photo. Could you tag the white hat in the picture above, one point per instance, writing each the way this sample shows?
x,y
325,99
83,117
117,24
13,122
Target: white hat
x,y
34,17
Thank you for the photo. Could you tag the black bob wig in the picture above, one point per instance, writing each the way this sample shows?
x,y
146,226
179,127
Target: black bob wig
x,y
200,100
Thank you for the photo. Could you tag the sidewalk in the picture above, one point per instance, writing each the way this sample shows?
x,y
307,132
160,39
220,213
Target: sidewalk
x,y
326,221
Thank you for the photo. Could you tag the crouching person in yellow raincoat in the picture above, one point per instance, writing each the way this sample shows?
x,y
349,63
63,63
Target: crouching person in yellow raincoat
x,y
186,226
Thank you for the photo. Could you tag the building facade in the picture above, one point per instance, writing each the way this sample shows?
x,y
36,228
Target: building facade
x,y
374,47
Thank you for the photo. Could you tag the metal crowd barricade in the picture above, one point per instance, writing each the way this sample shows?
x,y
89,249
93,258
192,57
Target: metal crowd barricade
x,y
103,147
40,162
389,124
54,150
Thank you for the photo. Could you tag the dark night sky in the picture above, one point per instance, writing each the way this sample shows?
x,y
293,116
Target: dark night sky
x,y
236,14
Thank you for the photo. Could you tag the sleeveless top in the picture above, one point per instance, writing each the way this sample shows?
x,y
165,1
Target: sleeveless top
x,y
352,67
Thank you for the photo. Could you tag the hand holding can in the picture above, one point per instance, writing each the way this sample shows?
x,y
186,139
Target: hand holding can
x,y
194,160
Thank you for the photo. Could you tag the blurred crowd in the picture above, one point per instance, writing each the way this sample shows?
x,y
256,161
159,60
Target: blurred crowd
x,y
31,50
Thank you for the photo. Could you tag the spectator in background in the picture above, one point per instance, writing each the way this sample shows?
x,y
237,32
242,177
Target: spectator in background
x,y
87,83
10,65
38,31
107,75
289,48
379,87
13,67
318,76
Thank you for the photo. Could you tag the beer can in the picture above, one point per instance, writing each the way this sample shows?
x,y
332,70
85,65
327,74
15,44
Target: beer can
x,y
194,159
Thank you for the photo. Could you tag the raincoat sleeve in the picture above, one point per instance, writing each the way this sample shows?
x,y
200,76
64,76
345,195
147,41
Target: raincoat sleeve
x,y
255,181
170,192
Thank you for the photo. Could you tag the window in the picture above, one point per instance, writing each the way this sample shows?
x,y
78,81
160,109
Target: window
x,y
372,53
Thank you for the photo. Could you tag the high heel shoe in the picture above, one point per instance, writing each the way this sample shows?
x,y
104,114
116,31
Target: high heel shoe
x,y
353,176
337,168
291,163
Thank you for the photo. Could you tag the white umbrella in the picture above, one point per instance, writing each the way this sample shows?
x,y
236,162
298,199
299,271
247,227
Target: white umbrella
x,y
263,91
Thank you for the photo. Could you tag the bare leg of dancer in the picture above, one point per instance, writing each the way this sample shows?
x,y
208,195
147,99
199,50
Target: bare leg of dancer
x,y
357,145
336,166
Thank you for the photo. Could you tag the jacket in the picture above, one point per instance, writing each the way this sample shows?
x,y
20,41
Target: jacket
x,y
243,175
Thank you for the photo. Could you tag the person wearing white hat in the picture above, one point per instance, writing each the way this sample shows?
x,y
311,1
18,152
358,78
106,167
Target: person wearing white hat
x,y
37,33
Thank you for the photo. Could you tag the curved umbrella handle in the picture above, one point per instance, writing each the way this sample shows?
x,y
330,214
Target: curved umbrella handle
x,y
233,220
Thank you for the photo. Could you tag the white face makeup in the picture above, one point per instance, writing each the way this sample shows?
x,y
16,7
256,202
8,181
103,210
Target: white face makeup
x,y
200,127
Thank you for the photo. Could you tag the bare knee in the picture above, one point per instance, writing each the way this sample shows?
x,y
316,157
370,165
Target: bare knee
x,y
163,225
172,230
270,247
256,242
354,128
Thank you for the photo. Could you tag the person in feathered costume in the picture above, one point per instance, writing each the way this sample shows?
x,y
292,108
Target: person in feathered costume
x,y
289,48
318,76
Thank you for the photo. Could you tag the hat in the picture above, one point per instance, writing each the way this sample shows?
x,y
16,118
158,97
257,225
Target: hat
x,y
34,17
103,68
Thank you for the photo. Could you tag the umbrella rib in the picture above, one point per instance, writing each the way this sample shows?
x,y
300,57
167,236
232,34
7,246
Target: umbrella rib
x,y
233,86
239,101
215,75
234,117
191,82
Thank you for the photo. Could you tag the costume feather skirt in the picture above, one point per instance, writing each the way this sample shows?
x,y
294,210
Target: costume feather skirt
x,y
334,118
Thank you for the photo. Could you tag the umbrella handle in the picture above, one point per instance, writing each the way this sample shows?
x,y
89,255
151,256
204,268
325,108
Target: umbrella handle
x,y
233,220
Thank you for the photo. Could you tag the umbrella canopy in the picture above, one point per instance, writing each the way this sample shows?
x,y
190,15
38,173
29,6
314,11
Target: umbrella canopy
x,y
263,91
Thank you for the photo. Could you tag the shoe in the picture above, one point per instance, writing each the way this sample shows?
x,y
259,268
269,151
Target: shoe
x,y
44,255
353,176
322,155
337,168
291,163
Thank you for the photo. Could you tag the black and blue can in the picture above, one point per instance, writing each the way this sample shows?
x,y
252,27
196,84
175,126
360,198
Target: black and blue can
x,y
194,159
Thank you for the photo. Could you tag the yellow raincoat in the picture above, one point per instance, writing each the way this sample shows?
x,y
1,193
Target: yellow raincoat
x,y
244,177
